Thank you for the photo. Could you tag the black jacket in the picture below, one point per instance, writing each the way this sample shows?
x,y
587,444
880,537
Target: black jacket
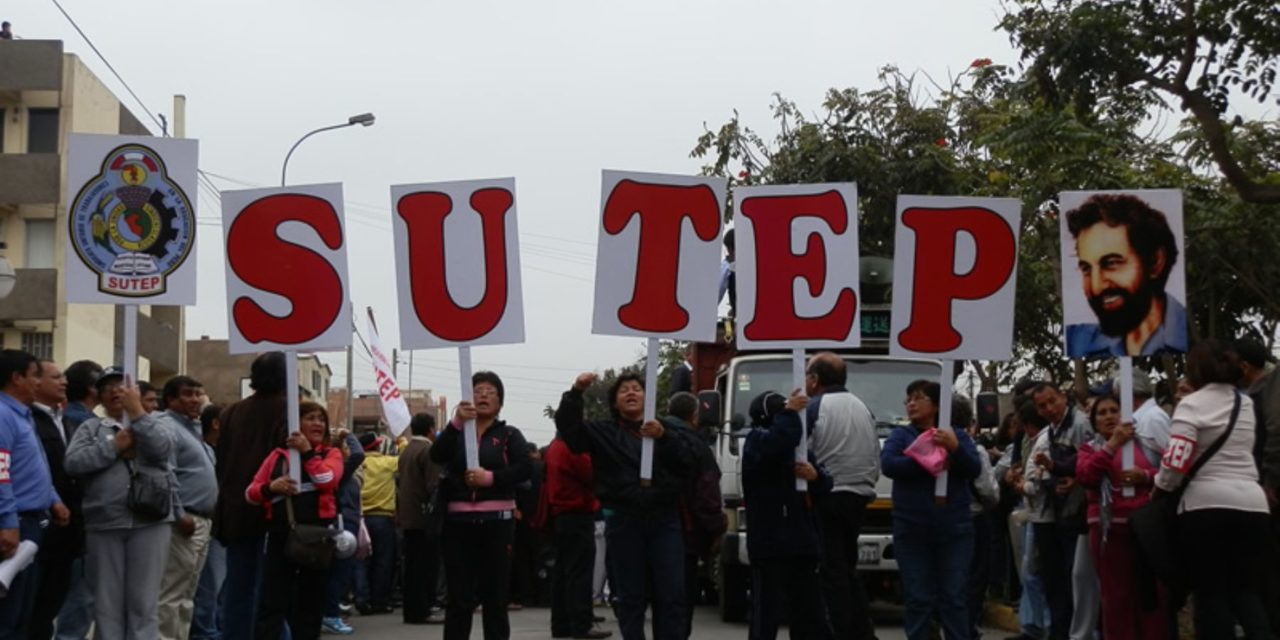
x,y
614,446
503,451
781,520
69,539
251,429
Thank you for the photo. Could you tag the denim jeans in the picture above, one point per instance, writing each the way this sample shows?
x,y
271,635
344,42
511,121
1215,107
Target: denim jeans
x,y
204,624
341,575
933,560
76,615
374,576
15,607
1033,610
647,546
244,577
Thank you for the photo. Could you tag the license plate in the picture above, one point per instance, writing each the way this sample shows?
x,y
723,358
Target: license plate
x,y
868,553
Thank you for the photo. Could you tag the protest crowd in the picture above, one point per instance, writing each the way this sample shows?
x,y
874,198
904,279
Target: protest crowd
x,y
159,514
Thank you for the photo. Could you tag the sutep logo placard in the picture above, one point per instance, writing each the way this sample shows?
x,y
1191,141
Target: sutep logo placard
x,y
132,224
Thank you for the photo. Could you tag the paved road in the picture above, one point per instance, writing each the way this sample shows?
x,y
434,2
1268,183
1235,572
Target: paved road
x,y
534,624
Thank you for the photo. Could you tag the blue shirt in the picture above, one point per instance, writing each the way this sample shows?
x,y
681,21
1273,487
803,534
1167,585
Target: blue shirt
x,y
192,461
1088,340
25,482
75,413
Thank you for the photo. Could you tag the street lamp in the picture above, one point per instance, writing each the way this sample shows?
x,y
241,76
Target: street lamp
x,y
8,279
363,119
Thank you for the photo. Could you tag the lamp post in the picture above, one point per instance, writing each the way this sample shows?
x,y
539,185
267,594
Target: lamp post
x,y
291,356
363,119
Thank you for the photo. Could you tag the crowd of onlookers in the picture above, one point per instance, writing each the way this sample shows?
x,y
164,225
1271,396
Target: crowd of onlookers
x,y
157,514
1072,548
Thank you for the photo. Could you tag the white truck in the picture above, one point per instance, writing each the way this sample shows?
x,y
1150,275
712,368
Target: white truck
x,y
880,381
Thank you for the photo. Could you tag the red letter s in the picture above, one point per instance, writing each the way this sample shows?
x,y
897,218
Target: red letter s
x,y
261,259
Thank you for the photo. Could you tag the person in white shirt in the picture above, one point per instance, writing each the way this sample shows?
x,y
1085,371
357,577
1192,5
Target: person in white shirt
x,y
1223,512
1151,423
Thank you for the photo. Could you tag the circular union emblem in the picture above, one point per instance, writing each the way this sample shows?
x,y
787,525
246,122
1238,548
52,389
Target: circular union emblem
x,y
132,224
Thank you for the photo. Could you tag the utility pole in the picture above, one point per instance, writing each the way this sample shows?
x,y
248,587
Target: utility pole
x,y
351,383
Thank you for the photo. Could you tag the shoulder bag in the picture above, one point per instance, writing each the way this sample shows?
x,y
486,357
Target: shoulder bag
x,y
1155,524
150,493
310,546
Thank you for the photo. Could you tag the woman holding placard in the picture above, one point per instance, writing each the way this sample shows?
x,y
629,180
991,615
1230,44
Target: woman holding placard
x,y
294,585
1223,511
642,520
480,510
934,542
1100,469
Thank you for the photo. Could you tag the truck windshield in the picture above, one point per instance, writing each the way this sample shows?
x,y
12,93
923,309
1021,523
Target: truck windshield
x,y
880,384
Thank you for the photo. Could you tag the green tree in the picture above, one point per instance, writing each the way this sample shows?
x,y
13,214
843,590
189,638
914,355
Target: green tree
x,y
1195,54
991,132
597,403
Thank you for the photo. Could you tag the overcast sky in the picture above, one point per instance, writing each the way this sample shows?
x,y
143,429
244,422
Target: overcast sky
x,y
548,92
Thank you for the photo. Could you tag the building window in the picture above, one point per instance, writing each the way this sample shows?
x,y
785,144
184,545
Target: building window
x,y
42,131
315,381
38,250
39,345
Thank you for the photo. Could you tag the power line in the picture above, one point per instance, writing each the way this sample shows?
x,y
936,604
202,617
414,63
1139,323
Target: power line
x,y
110,67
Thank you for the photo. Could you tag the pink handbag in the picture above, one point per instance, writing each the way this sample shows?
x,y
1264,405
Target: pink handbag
x,y
927,454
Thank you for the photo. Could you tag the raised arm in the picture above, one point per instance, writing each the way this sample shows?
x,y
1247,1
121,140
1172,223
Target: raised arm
x,y
570,423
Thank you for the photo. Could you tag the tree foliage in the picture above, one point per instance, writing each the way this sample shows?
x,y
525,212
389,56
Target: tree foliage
x,y
991,132
1196,55
597,405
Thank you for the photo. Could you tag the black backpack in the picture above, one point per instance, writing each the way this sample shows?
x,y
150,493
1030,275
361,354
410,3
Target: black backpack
x,y
701,505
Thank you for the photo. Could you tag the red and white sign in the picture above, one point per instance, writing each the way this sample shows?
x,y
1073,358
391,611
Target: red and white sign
x,y
394,408
287,285
458,263
955,268
797,266
657,260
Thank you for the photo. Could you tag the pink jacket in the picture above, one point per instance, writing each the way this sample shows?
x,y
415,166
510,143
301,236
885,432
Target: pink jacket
x,y
1096,461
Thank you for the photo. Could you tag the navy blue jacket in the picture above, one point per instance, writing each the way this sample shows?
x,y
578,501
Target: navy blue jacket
x,y
913,486
781,522
349,487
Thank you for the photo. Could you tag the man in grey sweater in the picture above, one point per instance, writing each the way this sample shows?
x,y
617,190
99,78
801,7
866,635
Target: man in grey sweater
x,y
844,441
193,465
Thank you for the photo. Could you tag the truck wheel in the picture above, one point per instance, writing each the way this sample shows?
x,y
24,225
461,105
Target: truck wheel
x,y
734,582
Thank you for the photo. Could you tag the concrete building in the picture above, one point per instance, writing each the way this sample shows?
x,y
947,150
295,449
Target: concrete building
x,y
226,376
46,94
367,408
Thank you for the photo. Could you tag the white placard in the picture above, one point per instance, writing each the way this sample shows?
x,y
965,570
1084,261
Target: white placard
x,y
955,268
131,220
287,285
1124,287
458,263
797,266
657,262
